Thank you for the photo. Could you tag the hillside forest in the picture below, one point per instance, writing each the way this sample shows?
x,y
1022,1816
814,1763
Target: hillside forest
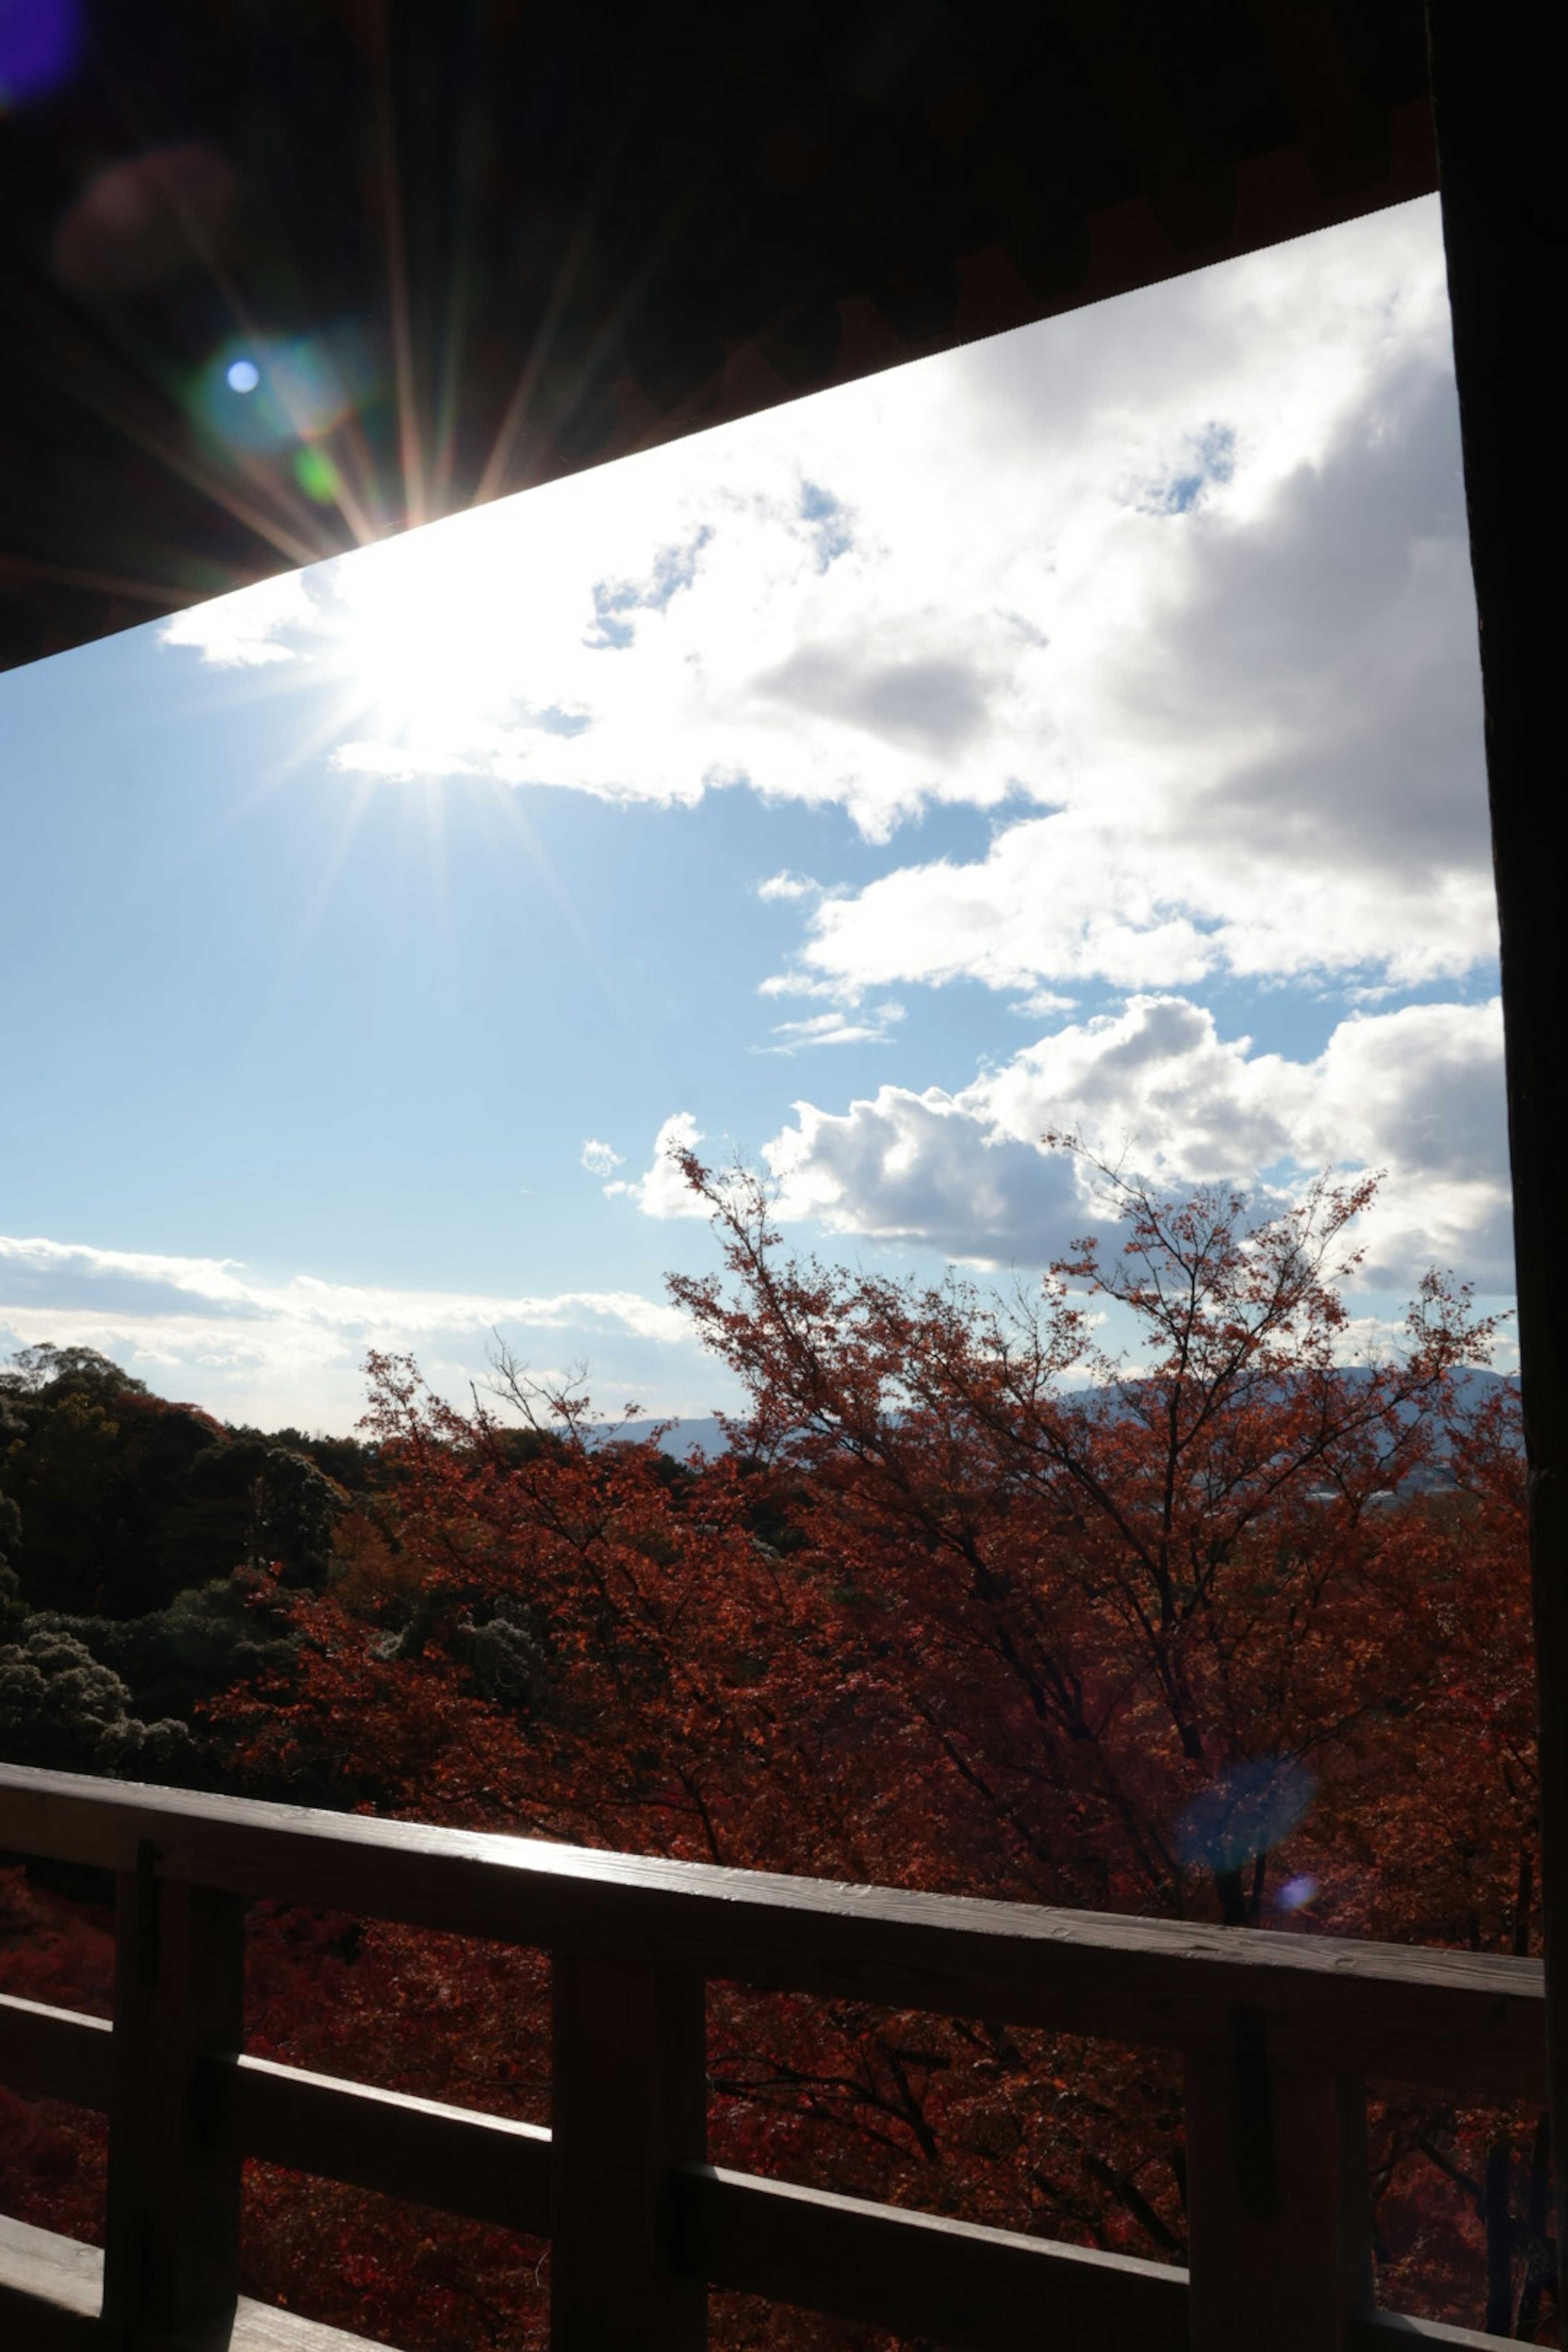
x,y
1228,1627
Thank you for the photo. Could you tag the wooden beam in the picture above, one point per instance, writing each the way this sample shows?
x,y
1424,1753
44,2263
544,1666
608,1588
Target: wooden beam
x,y
920,2274
1393,2331
628,2104
1464,2020
1498,78
634,2216
1279,2212
487,2168
172,2220
56,2054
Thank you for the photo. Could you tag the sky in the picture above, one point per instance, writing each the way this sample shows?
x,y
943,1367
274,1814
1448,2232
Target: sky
x,y
1081,730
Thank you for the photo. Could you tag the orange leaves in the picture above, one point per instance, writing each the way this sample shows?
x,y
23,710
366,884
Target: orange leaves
x,y
1070,1608
968,1607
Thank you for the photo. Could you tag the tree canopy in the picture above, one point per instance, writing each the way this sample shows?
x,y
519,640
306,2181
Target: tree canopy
x,y
1229,1628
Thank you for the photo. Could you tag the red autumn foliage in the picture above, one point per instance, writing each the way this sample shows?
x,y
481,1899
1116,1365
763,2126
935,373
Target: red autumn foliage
x,y
1237,1633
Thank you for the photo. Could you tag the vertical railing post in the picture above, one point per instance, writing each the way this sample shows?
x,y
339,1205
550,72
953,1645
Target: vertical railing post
x,y
172,2230
1497,102
628,2102
1277,2212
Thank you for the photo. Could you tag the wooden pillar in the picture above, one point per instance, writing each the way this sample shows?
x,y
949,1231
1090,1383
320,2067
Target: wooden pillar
x,y
171,2234
628,2102
1498,96
1277,2212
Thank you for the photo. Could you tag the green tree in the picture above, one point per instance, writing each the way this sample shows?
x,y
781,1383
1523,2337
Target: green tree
x,y
62,1709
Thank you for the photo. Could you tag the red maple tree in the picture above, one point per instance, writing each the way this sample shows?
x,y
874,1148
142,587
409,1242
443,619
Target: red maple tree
x,y
1233,1630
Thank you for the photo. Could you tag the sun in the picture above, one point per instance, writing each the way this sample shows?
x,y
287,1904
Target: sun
x,y
431,637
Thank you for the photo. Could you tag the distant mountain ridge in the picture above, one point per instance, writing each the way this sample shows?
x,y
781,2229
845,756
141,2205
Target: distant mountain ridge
x,y
703,1431
706,1431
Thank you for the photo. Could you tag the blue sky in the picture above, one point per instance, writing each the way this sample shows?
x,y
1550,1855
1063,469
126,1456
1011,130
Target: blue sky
x,y
1080,728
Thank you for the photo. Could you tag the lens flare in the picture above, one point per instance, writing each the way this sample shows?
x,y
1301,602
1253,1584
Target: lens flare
x,y
309,386
262,396
317,476
1297,1893
39,44
1245,1811
149,218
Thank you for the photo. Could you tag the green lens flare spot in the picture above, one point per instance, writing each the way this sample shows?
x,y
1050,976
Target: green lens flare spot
x,y
317,476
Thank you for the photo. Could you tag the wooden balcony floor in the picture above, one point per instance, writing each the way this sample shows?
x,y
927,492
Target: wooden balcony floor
x,y
66,2278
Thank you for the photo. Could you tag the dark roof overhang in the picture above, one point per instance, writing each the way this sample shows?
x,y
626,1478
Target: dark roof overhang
x,y
479,244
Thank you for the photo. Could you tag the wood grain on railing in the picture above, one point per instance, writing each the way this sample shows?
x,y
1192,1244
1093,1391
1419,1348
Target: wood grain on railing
x,y
918,2275
485,2168
1459,2021
55,2053
1279,2033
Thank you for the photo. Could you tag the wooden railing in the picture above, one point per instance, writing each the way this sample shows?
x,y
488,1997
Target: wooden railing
x,y
1279,2035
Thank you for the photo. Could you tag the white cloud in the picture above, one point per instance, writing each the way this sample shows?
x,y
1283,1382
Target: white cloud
x,y
1269,764
1203,637
836,1028
663,1191
403,763
1176,590
1417,1092
291,1349
247,629
1041,1003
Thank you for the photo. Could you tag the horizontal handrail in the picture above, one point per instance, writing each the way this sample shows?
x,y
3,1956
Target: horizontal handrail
x,y
56,2054
1326,2012
906,2271
485,2168
1459,2021
919,2273
890,2266
51,2288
